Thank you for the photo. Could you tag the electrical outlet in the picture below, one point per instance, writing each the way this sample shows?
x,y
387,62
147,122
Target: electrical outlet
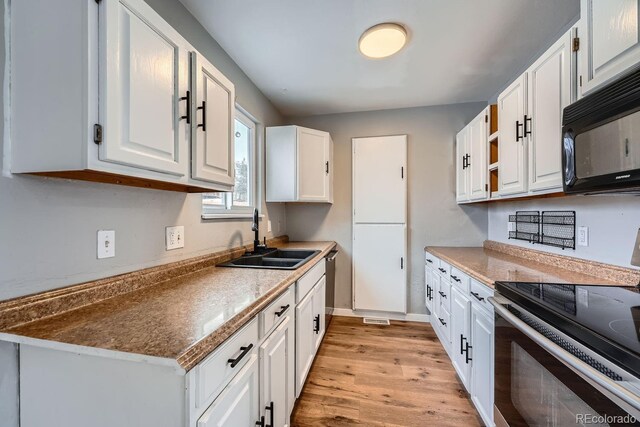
x,y
583,236
106,244
175,237
511,226
269,226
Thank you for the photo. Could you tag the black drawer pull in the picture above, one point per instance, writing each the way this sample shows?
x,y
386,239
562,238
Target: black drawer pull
x,y
442,321
442,270
477,295
316,324
462,338
283,309
245,351
429,261
442,294
455,278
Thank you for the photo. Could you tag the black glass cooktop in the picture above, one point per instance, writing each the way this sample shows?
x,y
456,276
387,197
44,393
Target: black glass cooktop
x,y
605,318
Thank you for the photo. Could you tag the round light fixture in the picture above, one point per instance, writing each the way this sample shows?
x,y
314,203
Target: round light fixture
x,y
382,40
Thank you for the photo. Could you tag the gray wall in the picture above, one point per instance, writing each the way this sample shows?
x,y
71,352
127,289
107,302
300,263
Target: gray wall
x,y
613,223
434,217
48,226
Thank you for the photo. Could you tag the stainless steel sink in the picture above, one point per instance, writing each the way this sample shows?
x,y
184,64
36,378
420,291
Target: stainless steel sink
x,y
277,259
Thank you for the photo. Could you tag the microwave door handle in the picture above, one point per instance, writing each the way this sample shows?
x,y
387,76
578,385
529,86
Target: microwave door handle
x,y
568,159
601,382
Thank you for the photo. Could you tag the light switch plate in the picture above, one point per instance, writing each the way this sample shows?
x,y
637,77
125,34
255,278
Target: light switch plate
x,y
269,226
174,237
635,257
582,239
106,244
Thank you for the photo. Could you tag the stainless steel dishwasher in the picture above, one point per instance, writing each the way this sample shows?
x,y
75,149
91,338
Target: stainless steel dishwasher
x,y
330,290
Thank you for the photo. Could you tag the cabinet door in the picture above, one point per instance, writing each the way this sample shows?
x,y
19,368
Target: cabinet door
x,y
483,363
213,124
277,392
379,185
238,403
305,340
379,274
462,173
549,91
319,312
314,153
477,161
609,41
512,143
460,336
145,72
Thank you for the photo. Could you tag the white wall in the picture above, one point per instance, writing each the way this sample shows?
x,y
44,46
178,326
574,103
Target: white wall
x,y
48,226
434,217
613,222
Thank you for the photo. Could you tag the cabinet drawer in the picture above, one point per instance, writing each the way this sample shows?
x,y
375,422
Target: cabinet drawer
x,y
277,311
308,281
444,269
480,294
431,261
460,280
215,372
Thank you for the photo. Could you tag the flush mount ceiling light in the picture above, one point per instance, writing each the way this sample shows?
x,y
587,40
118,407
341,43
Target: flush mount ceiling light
x,y
382,40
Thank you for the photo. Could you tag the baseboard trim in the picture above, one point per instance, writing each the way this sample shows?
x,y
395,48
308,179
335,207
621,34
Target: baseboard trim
x,y
410,317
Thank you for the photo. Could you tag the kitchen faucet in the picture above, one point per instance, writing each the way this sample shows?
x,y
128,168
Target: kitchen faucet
x,y
256,228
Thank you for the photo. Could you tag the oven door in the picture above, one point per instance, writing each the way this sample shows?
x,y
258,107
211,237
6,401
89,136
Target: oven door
x,y
537,385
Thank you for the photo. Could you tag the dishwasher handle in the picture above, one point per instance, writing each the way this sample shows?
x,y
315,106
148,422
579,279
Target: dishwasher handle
x,y
331,256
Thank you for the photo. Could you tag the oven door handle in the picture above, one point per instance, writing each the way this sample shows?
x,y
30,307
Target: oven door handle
x,y
592,376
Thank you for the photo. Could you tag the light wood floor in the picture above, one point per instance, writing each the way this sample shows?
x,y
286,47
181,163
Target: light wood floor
x,y
396,375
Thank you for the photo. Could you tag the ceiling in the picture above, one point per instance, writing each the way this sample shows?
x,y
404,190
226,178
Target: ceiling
x,y
303,54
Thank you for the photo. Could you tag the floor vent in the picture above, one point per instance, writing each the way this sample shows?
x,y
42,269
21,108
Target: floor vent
x,y
375,321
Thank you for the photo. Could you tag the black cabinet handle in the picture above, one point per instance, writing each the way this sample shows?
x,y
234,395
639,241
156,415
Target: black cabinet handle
x,y
270,409
477,295
429,293
442,321
464,162
326,164
283,308
203,125
462,338
316,324
188,114
261,422
466,350
401,263
429,261
468,162
442,270
245,351
527,131
455,278
518,126
442,294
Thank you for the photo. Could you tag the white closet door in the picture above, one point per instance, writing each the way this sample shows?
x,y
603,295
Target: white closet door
x,y
379,184
146,74
379,267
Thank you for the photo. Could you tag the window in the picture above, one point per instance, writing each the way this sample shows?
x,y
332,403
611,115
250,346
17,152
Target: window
x,y
243,199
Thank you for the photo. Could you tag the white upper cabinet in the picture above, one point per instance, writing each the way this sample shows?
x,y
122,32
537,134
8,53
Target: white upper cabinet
x,y
212,124
117,103
477,157
299,165
147,71
512,147
549,91
462,173
609,41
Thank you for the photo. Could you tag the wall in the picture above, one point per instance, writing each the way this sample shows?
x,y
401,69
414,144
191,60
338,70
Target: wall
x,y
434,217
613,223
48,226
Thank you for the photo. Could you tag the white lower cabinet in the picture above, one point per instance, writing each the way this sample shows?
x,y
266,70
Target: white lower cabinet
x,y
238,403
277,370
462,318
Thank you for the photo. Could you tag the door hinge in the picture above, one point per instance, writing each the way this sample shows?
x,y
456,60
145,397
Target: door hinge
x,y
402,172
576,44
580,83
97,133
486,118
402,263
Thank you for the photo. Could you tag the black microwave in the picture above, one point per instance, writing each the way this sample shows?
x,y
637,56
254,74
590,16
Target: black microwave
x,y
601,140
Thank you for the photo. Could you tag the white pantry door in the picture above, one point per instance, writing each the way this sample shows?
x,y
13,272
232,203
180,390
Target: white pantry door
x,y
379,184
146,73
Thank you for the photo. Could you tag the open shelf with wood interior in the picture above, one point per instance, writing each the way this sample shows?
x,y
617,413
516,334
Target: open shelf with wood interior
x,y
494,163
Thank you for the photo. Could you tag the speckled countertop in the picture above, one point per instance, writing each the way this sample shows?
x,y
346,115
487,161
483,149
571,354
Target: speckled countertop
x,y
500,262
184,318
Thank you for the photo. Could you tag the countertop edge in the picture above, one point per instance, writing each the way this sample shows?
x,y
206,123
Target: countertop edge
x,y
472,273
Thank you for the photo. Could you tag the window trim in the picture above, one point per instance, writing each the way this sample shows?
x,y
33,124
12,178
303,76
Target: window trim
x,y
241,212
